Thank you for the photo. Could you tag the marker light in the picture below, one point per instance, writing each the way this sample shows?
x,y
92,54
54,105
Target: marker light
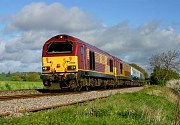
x,y
45,68
71,67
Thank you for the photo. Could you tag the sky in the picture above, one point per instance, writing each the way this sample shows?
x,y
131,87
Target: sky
x,y
132,30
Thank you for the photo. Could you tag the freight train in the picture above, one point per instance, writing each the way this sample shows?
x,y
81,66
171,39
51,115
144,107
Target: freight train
x,y
68,62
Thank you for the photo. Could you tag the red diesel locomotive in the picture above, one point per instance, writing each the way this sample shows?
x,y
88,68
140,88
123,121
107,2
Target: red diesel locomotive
x,y
68,62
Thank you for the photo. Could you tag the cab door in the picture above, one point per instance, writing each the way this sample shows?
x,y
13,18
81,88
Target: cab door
x,y
81,57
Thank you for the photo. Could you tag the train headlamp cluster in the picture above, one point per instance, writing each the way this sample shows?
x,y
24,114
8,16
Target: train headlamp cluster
x,y
45,68
71,67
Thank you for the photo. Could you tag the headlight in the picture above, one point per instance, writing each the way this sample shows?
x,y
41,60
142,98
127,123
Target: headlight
x,y
44,68
71,67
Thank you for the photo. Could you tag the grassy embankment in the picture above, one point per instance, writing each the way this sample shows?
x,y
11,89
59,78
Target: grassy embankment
x,y
17,85
152,106
18,80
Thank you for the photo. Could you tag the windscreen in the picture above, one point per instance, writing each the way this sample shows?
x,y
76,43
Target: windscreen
x,y
59,47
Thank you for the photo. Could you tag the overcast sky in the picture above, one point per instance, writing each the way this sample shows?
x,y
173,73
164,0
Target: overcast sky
x,y
132,30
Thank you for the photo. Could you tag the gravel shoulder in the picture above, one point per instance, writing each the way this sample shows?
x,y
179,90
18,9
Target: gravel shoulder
x,y
21,105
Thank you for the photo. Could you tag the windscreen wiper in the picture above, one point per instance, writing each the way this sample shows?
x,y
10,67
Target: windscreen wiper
x,y
49,45
69,42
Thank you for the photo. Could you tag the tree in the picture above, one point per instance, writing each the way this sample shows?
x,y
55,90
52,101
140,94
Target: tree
x,y
165,66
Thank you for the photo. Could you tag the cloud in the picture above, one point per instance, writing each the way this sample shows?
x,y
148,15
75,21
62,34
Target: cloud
x,y
28,30
135,45
40,16
18,66
2,46
23,49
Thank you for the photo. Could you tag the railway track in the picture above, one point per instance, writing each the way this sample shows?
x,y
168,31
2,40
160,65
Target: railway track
x,y
5,98
17,104
24,94
41,94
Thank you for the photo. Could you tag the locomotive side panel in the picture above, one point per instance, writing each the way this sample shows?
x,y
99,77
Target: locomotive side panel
x,y
122,70
98,62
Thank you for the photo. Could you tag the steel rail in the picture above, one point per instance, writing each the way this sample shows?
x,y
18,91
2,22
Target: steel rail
x,y
50,107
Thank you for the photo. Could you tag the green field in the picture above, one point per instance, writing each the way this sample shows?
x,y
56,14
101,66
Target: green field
x,y
17,85
152,106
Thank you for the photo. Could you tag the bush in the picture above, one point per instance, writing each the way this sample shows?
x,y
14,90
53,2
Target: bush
x,y
16,77
174,84
26,76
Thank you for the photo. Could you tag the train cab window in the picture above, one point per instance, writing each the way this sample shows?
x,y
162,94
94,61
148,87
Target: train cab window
x,y
60,47
121,67
92,60
111,65
82,50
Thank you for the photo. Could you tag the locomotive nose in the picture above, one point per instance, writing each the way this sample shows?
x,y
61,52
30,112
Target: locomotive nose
x,y
60,64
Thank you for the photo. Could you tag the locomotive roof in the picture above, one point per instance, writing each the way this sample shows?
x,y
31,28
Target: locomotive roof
x,y
74,39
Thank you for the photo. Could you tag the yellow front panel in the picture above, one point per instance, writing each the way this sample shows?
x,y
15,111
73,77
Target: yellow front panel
x,y
60,63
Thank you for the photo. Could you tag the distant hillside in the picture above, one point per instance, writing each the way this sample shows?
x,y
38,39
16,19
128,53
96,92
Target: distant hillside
x,y
20,76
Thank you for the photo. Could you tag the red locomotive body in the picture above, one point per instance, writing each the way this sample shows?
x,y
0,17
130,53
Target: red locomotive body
x,y
68,62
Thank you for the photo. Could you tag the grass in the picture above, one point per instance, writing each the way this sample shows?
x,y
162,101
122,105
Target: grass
x,y
151,106
17,85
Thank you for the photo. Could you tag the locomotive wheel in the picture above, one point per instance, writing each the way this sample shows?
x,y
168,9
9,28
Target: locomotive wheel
x,y
86,88
80,86
73,85
105,85
47,83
